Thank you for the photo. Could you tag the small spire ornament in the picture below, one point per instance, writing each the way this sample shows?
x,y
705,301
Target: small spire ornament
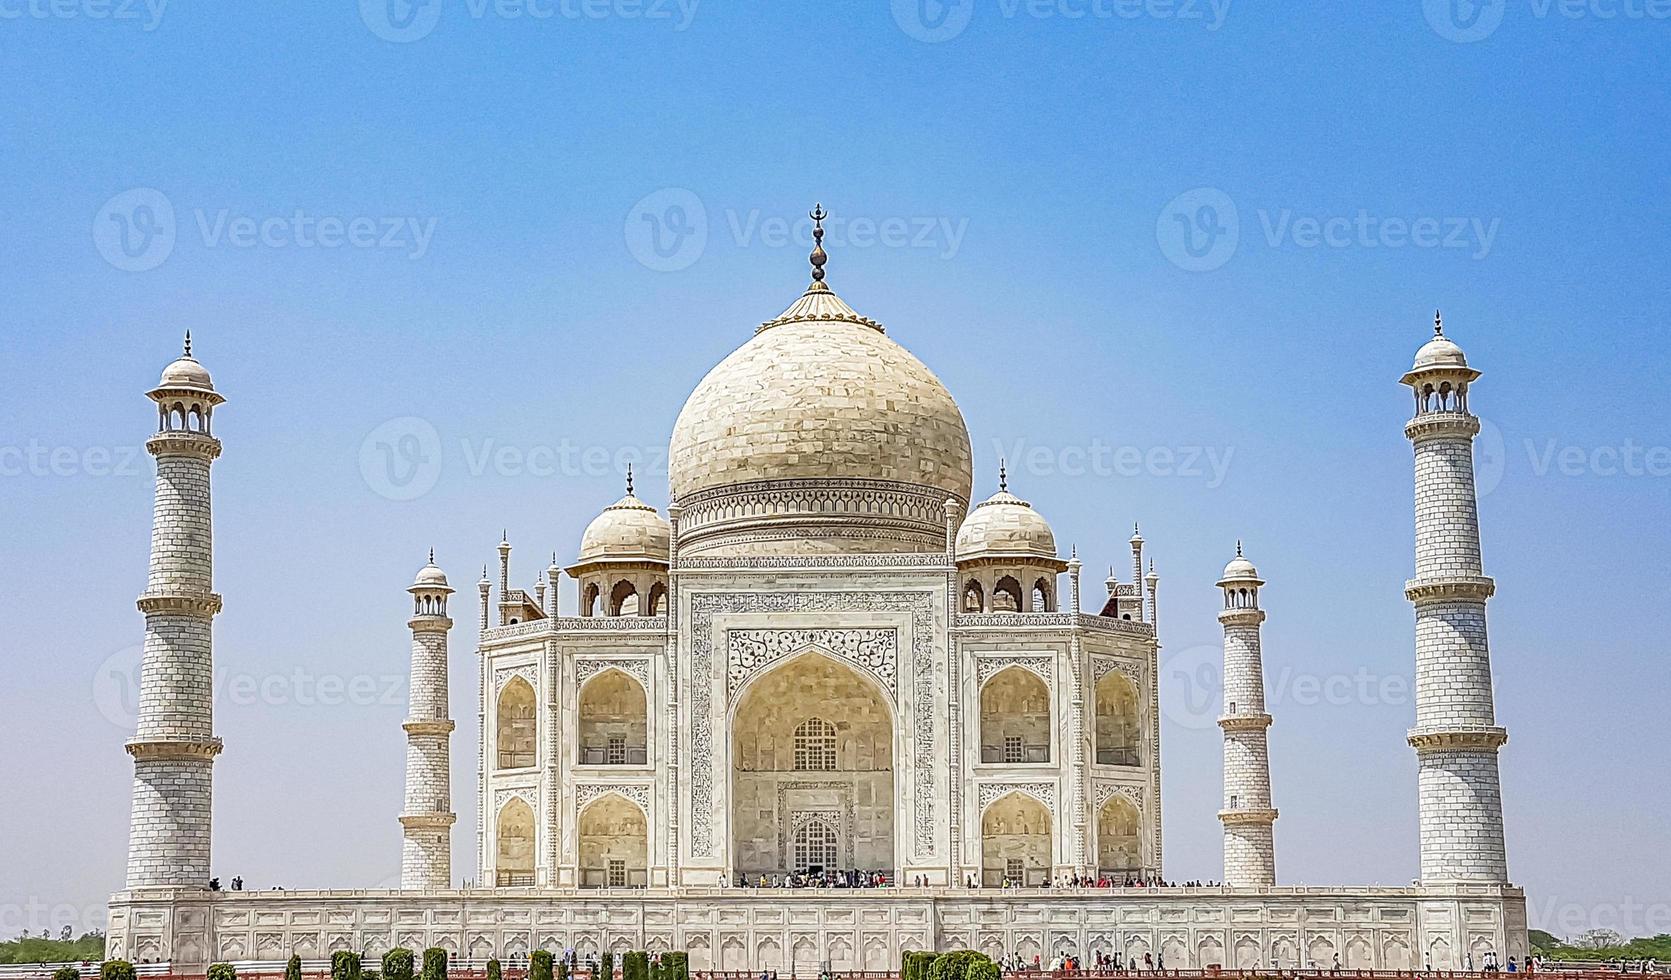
x,y
818,257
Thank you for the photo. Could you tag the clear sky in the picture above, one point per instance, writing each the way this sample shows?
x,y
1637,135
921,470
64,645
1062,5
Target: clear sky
x,y
1171,257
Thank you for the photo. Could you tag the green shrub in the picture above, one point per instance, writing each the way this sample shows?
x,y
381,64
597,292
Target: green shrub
x,y
371,975
221,971
494,970
606,967
562,969
66,973
345,965
397,964
435,963
116,970
675,966
981,969
539,965
635,966
293,969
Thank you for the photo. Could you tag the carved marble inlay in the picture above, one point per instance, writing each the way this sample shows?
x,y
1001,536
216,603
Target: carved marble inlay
x,y
1105,791
920,730
637,668
502,675
526,794
1043,792
1103,666
876,651
585,793
986,667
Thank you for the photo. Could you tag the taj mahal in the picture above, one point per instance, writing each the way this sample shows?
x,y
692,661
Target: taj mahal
x,y
830,653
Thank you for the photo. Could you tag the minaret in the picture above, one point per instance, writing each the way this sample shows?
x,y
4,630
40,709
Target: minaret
x,y
427,819
1136,568
1456,735
174,745
1249,853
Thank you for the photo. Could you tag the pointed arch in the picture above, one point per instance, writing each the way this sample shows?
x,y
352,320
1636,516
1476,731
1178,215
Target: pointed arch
x,y
1006,595
1015,841
658,598
517,727
1015,718
974,597
613,721
1119,838
614,843
1119,721
623,599
514,844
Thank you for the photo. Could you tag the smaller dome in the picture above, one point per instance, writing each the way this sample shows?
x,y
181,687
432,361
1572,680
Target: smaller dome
x,y
430,576
1240,569
1004,525
627,530
186,373
1440,352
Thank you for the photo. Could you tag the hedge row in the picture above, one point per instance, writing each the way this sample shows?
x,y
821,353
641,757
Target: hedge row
x,y
959,964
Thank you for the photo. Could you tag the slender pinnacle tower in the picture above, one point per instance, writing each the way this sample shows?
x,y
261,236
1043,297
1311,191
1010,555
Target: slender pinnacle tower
x,y
1456,735
174,745
427,819
1249,850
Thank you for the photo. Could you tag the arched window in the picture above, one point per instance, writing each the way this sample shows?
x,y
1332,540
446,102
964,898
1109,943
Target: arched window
x,y
613,721
1006,595
815,746
623,599
816,847
973,599
589,600
516,725
658,592
1041,597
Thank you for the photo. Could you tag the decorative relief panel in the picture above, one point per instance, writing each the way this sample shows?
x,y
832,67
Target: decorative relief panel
x,y
985,667
587,792
502,675
876,651
704,751
1104,791
1103,666
1043,792
637,668
526,794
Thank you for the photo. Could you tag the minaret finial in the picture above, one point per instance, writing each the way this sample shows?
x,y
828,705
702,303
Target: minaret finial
x,y
1003,476
629,479
188,343
818,214
1438,324
432,556
1238,547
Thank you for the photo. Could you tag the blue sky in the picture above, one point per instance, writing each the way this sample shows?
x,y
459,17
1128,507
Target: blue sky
x,y
533,234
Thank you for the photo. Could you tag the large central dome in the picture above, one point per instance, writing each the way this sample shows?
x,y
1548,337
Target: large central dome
x,y
819,435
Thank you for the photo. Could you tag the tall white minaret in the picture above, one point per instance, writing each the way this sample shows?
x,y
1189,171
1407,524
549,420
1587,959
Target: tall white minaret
x,y
1249,851
427,819
174,745
1456,735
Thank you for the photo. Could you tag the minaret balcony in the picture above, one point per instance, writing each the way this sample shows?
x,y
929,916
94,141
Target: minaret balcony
x,y
183,603
1441,425
1245,723
1449,588
1248,815
176,442
1457,737
172,747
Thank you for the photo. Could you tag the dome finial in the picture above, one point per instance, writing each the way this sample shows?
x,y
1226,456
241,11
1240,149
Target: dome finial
x,y
818,214
1238,547
1003,477
432,556
1438,324
188,343
629,479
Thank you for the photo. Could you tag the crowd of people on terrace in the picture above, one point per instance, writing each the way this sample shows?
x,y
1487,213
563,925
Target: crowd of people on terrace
x,y
860,878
